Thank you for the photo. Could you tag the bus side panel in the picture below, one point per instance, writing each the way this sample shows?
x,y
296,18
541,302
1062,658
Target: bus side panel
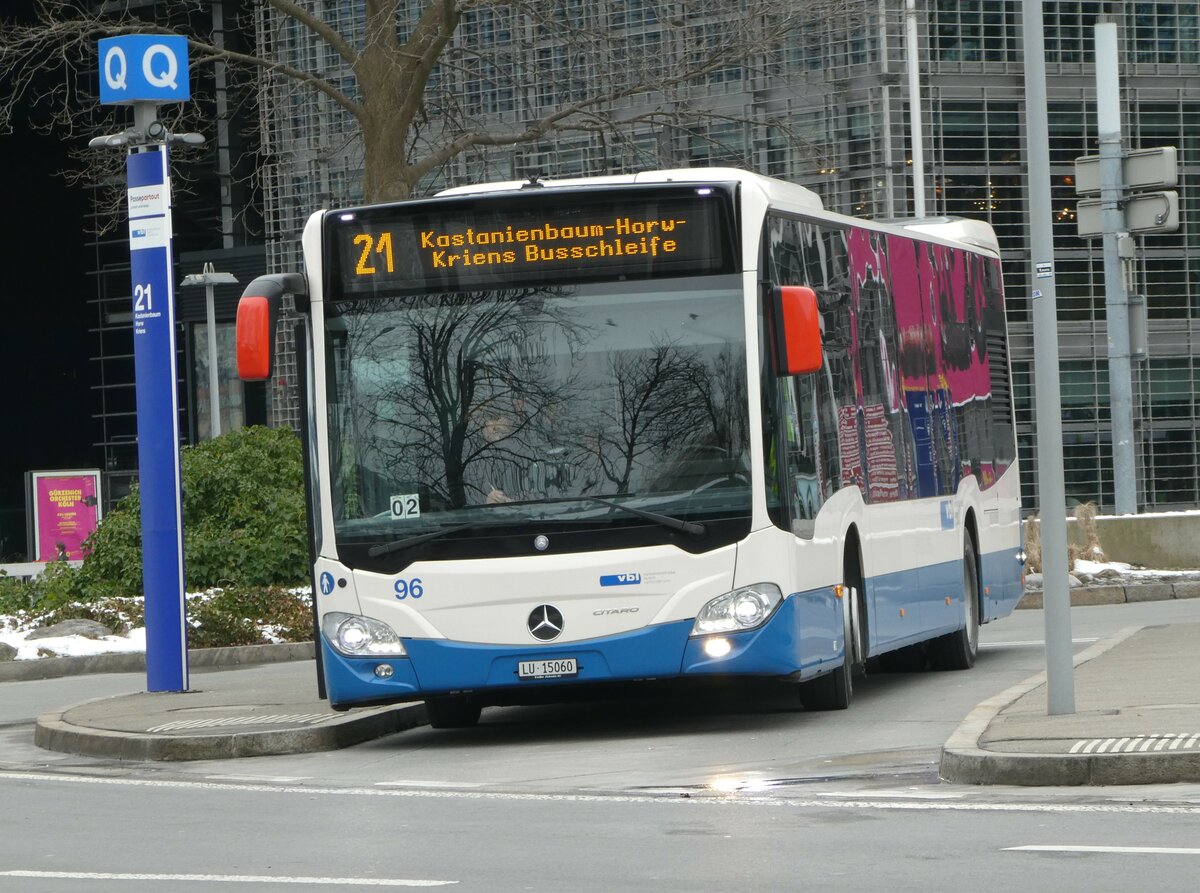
x,y
912,555
1001,587
1001,570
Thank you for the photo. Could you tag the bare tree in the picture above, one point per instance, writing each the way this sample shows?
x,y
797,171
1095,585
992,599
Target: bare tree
x,y
654,406
424,82
461,392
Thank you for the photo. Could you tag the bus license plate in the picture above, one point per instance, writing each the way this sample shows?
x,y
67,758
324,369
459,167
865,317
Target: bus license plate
x,y
555,668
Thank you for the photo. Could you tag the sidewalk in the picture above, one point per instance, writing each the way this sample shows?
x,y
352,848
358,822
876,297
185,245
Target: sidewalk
x,y
236,712
1136,720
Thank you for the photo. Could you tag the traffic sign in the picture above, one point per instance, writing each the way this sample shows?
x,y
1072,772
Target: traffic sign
x,y
144,68
1145,212
1140,169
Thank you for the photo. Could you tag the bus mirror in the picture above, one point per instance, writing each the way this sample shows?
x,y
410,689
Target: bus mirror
x,y
257,312
255,337
798,330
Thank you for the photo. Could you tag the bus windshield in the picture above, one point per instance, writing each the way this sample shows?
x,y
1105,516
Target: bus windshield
x,y
459,420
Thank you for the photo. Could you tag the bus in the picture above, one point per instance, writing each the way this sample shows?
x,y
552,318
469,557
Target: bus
x,y
678,425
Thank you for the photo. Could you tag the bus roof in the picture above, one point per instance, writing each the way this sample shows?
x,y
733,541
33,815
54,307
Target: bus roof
x,y
957,230
775,189
953,229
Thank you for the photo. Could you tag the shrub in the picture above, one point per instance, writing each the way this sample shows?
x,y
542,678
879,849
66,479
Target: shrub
x,y
1089,549
248,616
252,615
118,614
243,520
56,585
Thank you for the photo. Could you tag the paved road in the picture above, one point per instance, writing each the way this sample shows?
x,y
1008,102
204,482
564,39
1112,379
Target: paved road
x,y
97,831
674,794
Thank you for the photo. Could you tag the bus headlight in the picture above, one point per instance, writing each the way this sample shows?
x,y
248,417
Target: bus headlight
x,y
357,636
741,609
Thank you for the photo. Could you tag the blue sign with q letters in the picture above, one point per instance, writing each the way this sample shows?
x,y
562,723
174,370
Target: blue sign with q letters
x,y
144,68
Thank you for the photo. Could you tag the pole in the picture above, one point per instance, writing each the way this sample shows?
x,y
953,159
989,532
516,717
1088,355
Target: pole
x,y
915,126
886,102
1116,299
214,379
145,71
1060,684
150,262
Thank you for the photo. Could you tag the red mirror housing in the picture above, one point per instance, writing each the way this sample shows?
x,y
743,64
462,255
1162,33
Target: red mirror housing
x,y
255,338
797,331
257,312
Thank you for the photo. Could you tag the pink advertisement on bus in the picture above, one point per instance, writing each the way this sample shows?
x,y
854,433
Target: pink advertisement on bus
x,y
66,509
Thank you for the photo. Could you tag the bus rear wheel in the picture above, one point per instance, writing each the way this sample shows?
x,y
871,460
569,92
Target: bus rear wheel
x,y
957,650
456,712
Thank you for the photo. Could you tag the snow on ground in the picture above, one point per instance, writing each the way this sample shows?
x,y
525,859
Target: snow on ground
x,y
14,629
68,646
1082,566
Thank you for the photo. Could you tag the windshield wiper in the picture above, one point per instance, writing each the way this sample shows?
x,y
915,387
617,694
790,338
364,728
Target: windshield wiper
x,y
693,528
397,545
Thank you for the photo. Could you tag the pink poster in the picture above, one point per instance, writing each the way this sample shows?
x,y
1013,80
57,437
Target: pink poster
x,y
66,509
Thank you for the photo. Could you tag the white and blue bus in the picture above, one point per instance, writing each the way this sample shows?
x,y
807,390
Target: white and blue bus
x,y
674,425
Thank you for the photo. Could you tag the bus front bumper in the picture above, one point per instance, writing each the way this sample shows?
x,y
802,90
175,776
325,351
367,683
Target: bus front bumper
x,y
663,651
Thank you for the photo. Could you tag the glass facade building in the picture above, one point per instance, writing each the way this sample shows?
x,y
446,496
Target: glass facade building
x,y
825,106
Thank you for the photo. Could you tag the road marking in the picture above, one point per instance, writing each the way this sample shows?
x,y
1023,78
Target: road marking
x,y
1033,643
862,802
933,794
1136,850
217,722
228,879
262,779
1138,744
403,783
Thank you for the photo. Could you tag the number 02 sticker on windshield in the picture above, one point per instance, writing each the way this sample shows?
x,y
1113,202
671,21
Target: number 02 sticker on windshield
x,y
407,505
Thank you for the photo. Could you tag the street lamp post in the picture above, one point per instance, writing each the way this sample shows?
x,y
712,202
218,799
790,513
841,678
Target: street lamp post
x,y
208,279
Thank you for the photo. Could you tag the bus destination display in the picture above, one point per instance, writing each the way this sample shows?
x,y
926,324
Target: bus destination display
x,y
505,241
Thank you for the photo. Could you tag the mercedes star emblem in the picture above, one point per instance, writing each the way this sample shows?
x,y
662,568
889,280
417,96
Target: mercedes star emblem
x,y
545,623
541,543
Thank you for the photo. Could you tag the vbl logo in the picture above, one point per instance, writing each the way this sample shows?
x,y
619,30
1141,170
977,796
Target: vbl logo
x,y
621,580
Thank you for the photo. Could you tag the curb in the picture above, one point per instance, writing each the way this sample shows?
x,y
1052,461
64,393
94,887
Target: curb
x,y
965,762
135,661
52,732
1118,593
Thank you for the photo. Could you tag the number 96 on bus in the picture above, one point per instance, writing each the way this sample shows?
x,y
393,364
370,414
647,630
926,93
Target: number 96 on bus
x,y
413,588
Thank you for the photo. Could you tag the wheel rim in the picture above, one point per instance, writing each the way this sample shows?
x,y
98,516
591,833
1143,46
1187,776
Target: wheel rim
x,y
971,588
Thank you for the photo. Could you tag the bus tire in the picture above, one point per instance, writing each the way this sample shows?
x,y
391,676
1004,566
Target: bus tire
x,y
457,712
957,650
835,691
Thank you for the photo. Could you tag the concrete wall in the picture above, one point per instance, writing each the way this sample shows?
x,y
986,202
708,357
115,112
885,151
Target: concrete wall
x,y
1162,542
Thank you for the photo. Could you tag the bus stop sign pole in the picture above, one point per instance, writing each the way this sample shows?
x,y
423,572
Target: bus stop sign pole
x,y
158,419
144,71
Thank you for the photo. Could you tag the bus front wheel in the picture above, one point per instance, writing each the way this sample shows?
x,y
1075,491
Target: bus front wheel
x,y
835,691
455,712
